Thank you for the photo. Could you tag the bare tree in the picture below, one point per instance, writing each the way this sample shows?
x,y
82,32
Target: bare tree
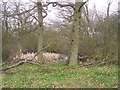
x,y
73,47
40,31
106,31
73,51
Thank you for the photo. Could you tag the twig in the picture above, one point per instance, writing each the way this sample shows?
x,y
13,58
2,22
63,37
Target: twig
x,y
96,63
103,60
18,64
42,50
22,12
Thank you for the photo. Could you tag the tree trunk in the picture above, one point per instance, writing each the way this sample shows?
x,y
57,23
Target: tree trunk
x,y
106,32
40,32
118,31
73,49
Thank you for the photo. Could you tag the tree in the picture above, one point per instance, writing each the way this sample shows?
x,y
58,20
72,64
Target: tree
x,y
73,49
106,30
0,37
40,32
17,23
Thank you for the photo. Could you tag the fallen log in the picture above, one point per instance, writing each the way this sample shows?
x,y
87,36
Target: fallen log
x,y
18,64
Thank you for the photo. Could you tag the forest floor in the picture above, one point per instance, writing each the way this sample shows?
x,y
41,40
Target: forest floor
x,y
61,76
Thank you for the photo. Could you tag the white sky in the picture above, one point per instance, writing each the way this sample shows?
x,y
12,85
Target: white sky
x,y
101,5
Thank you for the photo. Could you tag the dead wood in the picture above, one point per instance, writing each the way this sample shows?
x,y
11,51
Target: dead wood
x,y
20,62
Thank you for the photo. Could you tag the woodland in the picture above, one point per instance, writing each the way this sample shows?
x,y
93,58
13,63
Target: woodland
x,y
76,47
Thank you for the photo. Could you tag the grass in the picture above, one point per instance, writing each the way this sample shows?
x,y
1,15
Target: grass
x,y
61,76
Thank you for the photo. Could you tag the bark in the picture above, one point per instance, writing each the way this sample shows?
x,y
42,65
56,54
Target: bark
x,y
40,32
118,31
73,49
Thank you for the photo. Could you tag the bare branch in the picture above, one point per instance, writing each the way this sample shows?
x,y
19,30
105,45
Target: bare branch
x,y
18,64
36,19
108,8
54,4
42,50
22,12
45,13
83,4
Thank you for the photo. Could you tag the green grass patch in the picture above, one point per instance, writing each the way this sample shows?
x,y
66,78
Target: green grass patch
x,y
61,76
